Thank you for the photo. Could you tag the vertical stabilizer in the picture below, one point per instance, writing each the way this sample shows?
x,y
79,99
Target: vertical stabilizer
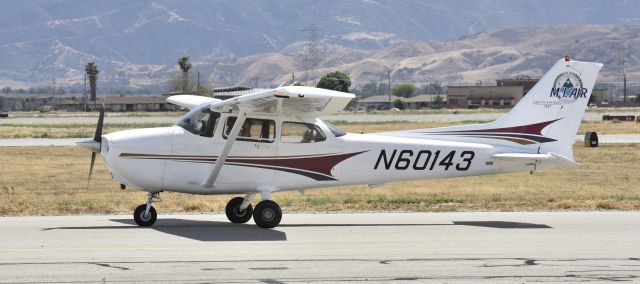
x,y
545,120
556,103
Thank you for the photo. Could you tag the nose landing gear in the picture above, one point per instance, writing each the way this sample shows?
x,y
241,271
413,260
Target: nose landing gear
x,y
145,215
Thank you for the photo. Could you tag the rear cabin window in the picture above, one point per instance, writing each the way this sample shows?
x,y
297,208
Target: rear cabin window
x,y
253,129
201,123
297,132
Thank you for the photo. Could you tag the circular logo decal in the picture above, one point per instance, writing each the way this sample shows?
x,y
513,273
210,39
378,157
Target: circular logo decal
x,y
568,88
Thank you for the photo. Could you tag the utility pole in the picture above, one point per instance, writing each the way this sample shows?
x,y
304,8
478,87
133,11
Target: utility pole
x,y
389,83
84,94
198,84
624,88
53,88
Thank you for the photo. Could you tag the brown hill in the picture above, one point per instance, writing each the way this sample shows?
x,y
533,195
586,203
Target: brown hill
x,y
484,56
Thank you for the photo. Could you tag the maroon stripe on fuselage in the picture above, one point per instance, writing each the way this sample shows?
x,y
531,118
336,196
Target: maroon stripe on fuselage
x,y
319,164
533,129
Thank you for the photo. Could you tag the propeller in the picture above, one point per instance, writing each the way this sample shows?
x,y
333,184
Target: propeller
x,y
94,145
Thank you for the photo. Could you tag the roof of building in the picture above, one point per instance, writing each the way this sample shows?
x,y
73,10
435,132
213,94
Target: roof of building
x,y
486,87
486,92
39,96
425,98
414,99
132,100
378,99
518,80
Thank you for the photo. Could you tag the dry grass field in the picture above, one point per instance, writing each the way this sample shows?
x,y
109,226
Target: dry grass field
x,y
52,180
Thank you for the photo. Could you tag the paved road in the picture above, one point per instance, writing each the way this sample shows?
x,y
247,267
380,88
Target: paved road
x,y
86,120
361,117
588,116
402,247
29,142
614,138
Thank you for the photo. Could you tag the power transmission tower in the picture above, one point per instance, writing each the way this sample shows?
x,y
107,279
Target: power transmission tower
x,y
312,55
620,58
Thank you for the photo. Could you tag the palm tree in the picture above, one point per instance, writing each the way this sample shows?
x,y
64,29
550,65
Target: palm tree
x,y
92,72
185,65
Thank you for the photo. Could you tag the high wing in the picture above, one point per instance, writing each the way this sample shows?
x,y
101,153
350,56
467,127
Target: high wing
x,y
190,101
291,100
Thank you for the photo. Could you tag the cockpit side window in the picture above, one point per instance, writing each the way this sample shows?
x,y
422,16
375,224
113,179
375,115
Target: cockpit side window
x,y
202,123
253,129
298,132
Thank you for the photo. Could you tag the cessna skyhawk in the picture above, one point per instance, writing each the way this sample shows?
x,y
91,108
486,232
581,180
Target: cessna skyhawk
x,y
271,141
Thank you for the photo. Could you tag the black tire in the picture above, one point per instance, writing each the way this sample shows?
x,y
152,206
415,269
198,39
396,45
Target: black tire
x,y
234,214
267,214
141,219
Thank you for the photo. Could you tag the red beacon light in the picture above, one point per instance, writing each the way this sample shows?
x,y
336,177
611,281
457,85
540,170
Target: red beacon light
x,y
567,58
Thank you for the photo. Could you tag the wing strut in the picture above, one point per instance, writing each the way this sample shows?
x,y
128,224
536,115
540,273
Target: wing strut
x,y
209,183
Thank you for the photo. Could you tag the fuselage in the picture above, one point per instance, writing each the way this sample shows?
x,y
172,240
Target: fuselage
x,y
280,158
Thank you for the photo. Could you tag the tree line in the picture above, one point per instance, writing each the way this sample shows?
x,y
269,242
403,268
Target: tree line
x,y
340,81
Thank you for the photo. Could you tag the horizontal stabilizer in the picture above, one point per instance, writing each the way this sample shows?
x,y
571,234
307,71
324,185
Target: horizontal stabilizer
x,y
552,157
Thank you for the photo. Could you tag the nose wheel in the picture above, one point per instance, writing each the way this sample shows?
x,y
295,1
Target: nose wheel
x,y
145,215
144,218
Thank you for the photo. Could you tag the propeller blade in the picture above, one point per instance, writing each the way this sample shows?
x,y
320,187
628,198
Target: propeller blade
x,y
98,136
93,160
97,139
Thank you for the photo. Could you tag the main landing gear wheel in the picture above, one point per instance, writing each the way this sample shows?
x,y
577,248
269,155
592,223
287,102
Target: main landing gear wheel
x,y
267,214
143,218
237,215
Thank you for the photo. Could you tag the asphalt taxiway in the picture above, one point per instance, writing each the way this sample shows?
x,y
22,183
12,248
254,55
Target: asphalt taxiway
x,y
380,247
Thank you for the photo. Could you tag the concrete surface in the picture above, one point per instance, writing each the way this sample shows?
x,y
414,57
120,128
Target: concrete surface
x,y
379,247
30,142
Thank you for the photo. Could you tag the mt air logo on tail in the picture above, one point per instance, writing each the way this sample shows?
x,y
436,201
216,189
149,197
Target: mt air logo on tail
x,y
568,88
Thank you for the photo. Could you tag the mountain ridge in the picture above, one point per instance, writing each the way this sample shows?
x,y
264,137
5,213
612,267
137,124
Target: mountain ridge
x,y
137,43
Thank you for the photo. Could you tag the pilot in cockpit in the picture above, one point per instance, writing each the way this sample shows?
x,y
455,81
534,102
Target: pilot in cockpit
x,y
246,129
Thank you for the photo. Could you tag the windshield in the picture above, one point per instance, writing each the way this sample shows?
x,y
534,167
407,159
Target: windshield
x,y
200,121
337,132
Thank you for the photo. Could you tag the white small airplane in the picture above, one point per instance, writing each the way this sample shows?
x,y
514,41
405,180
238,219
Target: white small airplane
x,y
272,141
